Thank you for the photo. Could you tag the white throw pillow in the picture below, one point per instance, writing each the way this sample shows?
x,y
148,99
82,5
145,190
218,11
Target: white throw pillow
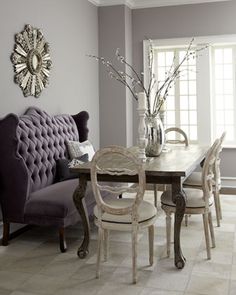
x,y
77,149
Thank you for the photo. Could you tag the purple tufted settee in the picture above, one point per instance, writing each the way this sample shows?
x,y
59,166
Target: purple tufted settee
x,y
30,145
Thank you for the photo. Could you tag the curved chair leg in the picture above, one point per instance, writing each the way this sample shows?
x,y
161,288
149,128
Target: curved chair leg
x,y
151,243
62,239
205,223
168,232
213,242
6,233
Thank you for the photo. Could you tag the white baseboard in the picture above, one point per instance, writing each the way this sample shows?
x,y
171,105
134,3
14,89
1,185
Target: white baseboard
x,y
228,181
228,185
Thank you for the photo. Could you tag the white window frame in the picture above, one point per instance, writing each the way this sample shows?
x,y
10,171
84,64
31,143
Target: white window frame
x,y
205,116
224,46
178,109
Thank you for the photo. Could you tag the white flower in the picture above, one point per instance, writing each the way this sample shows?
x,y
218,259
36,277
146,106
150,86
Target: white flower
x,y
134,81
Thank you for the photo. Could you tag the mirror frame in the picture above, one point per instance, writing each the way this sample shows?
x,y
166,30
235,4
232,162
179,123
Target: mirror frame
x,y
31,46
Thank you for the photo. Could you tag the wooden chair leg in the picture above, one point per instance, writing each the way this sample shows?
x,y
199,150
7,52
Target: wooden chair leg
x,y
205,223
6,233
62,239
99,249
151,243
219,203
106,244
213,242
168,233
216,201
134,253
155,194
186,219
220,210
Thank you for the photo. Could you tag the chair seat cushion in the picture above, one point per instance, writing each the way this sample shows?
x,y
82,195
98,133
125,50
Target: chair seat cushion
x,y
194,198
146,211
195,179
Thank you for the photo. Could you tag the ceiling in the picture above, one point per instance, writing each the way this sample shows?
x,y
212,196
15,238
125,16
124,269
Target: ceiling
x,y
149,3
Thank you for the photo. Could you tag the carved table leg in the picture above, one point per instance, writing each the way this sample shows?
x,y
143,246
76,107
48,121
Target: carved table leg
x,y
180,201
78,198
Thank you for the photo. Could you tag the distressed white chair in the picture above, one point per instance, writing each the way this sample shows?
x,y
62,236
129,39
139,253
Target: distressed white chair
x,y
194,181
126,214
197,201
177,141
172,141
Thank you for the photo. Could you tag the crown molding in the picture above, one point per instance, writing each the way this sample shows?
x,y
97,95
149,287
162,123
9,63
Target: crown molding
x,y
135,4
129,3
95,2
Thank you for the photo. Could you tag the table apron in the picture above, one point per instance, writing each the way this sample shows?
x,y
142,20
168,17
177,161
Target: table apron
x,y
149,178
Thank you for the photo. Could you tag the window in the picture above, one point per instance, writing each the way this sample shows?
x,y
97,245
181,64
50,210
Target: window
x,y
181,105
223,65
203,100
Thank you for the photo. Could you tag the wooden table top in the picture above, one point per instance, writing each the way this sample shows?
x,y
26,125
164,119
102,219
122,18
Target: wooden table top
x,y
178,161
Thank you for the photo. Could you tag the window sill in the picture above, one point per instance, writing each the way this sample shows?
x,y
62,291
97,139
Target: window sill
x,y
229,147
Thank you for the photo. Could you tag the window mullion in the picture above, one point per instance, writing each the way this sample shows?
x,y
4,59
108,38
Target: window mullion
x,y
177,93
203,97
223,63
234,88
213,94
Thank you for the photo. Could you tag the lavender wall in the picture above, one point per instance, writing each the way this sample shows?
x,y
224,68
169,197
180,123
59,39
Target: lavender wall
x,y
71,28
115,31
112,95
184,21
129,57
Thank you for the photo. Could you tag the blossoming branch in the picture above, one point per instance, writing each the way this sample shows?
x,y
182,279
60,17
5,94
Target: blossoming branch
x,y
156,89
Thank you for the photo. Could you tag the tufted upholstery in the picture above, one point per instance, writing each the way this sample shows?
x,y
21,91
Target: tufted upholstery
x,y
30,146
41,141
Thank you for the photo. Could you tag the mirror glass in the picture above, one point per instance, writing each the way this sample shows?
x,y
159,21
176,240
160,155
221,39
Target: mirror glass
x,y
35,61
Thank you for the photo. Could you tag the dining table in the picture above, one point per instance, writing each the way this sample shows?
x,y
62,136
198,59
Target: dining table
x,y
171,168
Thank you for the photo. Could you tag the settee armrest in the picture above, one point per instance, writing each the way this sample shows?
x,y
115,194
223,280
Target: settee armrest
x,y
14,180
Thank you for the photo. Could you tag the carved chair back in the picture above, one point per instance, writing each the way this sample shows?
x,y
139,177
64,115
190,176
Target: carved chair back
x,y
217,178
177,141
117,161
208,171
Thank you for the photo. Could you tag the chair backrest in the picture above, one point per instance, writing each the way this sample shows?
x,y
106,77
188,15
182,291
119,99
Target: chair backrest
x,y
176,141
208,171
118,162
217,177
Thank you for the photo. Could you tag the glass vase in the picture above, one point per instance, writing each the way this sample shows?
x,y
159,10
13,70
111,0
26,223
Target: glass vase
x,y
155,135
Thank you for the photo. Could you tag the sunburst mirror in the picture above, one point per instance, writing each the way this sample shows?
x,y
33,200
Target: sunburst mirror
x,y
32,61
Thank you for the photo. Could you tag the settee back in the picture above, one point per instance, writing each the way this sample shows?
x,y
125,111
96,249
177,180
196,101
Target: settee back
x,y
30,146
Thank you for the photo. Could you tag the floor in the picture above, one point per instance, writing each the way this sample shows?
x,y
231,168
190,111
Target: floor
x,y
33,265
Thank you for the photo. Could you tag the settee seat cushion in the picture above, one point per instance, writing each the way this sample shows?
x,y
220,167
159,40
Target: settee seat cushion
x,y
55,203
